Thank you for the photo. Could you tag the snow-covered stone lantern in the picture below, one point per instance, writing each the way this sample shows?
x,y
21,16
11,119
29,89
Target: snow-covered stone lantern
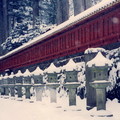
x,y
2,85
19,83
89,54
98,69
27,83
11,82
37,81
71,81
6,87
52,81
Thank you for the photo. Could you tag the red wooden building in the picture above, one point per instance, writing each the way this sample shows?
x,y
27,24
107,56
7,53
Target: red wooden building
x,y
95,27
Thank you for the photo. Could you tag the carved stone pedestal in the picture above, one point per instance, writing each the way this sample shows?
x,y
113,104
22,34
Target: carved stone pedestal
x,y
27,92
39,91
72,92
6,92
52,87
19,91
100,93
12,91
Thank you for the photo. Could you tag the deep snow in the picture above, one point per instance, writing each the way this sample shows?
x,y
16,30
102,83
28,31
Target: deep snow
x,y
23,110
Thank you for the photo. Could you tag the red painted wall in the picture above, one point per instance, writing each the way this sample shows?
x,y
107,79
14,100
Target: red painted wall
x,y
100,29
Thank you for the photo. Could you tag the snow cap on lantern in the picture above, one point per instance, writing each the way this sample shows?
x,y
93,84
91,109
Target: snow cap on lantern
x,y
1,77
37,71
6,76
99,60
19,74
98,68
37,76
26,73
70,66
50,74
70,71
12,75
52,68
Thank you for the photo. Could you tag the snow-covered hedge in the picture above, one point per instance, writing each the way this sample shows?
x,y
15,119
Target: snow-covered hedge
x,y
113,91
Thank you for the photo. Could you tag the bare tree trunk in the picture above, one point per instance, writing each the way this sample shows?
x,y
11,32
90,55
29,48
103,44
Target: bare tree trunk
x,y
88,3
79,6
5,16
62,11
35,11
3,22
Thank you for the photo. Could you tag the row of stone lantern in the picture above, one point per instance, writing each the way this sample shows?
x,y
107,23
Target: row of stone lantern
x,y
52,83
40,79
96,80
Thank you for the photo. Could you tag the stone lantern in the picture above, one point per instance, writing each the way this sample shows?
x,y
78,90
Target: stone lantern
x,y
5,82
98,69
71,81
89,54
37,81
38,84
27,84
11,82
52,82
2,88
19,83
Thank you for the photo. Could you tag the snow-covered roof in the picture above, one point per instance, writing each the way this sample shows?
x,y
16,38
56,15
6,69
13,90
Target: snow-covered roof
x,y
99,60
85,14
52,68
94,50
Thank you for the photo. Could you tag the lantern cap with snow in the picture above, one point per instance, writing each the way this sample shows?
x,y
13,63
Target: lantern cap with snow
x,y
90,53
70,70
99,67
50,74
11,78
52,69
37,76
19,77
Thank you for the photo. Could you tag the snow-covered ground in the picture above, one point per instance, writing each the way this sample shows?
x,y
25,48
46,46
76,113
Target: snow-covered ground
x,y
23,110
